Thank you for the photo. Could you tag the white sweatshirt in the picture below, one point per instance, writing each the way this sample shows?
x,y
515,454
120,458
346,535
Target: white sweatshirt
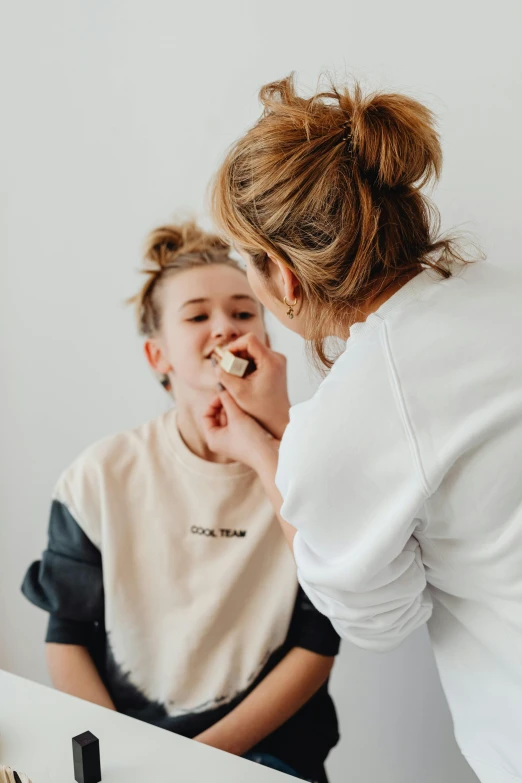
x,y
403,476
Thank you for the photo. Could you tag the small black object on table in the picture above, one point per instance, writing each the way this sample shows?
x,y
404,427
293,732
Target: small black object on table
x,y
86,757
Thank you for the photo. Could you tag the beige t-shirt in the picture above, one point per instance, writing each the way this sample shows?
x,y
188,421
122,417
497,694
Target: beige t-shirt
x,y
199,584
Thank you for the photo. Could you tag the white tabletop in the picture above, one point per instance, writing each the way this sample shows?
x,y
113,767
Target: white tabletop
x,y
37,725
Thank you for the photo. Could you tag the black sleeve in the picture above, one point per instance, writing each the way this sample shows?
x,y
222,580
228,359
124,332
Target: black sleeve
x,y
312,630
67,582
69,632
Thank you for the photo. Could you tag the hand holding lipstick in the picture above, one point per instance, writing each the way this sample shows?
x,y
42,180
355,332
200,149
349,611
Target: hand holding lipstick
x,y
262,392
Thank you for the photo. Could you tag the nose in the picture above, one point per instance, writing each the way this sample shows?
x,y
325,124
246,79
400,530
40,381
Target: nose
x,y
225,330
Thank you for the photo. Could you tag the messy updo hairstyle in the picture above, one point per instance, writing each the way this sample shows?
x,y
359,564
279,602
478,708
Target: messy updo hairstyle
x,y
169,250
332,185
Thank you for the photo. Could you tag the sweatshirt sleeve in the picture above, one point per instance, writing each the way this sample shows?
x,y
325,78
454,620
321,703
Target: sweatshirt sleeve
x,y
353,485
67,582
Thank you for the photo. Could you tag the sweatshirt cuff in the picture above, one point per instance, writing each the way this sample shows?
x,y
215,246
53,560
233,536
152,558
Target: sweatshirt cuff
x,y
69,632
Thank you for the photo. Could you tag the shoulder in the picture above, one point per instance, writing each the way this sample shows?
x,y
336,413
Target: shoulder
x,y
403,345
352,436
105,467
356,388
113,454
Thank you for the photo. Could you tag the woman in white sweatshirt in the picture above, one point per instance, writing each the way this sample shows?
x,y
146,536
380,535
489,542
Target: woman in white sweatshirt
x,y
403,475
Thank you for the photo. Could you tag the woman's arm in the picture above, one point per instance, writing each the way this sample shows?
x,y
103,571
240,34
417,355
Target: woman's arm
x,y
279,696
265,465
72,671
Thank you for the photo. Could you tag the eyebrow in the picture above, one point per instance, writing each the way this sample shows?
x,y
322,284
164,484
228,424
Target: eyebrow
x,y
234,297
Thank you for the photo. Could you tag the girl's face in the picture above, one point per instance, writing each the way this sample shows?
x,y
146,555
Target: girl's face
x,y
201,308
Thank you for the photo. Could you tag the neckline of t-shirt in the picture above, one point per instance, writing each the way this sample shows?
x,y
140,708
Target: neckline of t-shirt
x,y
410,290
191,461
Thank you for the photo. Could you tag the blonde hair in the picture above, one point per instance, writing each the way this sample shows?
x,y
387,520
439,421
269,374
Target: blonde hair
x,y
169,250
332,186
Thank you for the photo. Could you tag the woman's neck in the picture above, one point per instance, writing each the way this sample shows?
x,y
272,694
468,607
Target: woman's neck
x,y
374,304
188,418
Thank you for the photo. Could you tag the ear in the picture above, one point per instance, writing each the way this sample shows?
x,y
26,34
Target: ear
x,y
156,358
286,282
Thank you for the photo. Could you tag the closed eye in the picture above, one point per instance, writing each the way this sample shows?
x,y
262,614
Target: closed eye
x,y
245,316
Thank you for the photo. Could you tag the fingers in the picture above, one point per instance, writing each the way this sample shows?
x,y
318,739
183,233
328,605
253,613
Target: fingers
x,y
228,382
219,410
251,344
230,406
239,419
212,416
214,407
223,421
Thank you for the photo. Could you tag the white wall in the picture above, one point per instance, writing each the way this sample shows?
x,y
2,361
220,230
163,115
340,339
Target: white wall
x,y
117,113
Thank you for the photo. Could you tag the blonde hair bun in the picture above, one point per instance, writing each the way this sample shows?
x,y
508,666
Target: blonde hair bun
x,y
391,137
394,139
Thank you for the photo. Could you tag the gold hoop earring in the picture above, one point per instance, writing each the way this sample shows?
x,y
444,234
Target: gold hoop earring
x,y
290,306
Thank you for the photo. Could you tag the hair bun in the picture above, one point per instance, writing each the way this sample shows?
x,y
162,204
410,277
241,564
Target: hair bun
x,y
167,243
163,245
394,139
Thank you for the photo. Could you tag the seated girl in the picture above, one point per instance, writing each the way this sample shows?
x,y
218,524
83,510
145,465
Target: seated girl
x,y
171,591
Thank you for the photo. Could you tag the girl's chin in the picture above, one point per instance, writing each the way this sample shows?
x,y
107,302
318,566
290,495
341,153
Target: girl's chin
x,y
185,390
203,386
